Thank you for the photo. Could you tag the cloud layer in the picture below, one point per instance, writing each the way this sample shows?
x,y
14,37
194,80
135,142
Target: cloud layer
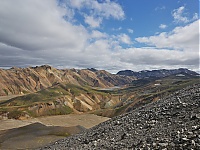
x,y
35,32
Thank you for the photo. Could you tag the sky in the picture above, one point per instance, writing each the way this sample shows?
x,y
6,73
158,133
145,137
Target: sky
x,y
111,35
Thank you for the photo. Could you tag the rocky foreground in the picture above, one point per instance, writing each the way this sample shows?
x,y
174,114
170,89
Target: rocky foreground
x,y
170,123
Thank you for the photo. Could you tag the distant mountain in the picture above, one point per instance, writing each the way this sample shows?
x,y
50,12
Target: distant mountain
x,y
32,79
156,73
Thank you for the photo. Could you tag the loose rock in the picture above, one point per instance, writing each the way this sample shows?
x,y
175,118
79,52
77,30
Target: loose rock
x,y
170,123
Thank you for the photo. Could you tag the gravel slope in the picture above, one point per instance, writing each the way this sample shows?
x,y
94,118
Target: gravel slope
x,y
170,123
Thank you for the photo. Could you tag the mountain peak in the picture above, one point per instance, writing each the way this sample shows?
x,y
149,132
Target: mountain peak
x,y
43,67
92,69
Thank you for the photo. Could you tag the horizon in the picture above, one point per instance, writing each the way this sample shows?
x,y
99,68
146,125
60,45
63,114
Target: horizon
x,y
109,35
7,68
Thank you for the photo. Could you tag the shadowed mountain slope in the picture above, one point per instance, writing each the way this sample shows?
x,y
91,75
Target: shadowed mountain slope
x,y
34,135
156,73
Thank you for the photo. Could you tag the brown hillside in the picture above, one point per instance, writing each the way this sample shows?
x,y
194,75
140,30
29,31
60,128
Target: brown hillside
x,y
32,79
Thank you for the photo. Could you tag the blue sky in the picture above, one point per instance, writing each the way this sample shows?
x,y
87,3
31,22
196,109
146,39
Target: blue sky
x,y
147,16
105,34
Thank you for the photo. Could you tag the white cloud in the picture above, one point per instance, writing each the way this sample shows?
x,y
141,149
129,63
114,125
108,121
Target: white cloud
x,y
152,58
178,48
94,12
93,22
130,30
124,38
160,8
98,35
105,9
77,3
34,31
117,29
163,26
195,16
185,38
180,16
39,26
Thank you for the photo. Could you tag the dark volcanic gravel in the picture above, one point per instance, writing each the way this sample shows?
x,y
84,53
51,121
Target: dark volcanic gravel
x,y
170,123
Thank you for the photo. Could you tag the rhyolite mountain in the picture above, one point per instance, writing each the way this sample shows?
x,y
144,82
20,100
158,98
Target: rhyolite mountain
x,y
45,90
62,98
32,79
156,73
27,80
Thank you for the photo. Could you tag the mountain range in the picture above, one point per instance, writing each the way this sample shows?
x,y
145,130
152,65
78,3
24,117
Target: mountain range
x,y
156,73
17,81
45,90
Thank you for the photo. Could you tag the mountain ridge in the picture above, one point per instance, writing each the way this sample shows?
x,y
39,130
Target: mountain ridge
x,y
32,79
156,73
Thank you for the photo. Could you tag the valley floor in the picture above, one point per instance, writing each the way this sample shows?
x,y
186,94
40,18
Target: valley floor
x,y
85,120
37,132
